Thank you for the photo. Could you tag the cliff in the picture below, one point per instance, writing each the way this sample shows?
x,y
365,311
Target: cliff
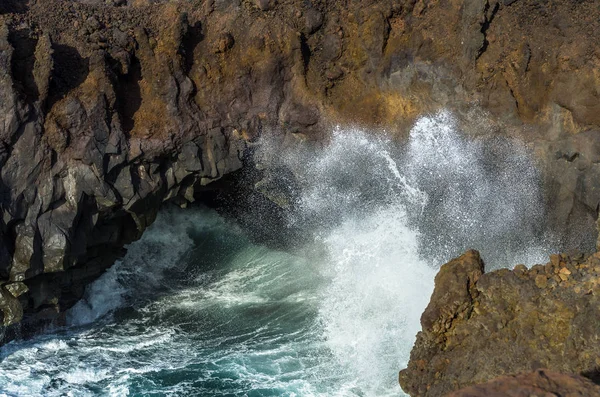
x,y
482,325
110,108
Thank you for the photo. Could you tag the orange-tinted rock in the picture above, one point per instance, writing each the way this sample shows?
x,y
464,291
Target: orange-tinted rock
x,y
479,326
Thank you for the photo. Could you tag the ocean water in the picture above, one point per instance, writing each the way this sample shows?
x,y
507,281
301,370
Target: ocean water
x,y
197,308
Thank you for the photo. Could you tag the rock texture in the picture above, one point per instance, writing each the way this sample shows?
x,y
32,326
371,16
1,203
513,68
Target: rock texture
x,y
538,383
99,126
110,108
482,325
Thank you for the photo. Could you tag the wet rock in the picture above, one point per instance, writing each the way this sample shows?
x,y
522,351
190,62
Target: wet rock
x,y
16,289
452,278
190,158
76,185
10,307
24,257
55,244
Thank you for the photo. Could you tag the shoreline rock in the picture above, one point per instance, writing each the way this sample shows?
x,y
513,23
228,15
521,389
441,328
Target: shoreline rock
x,y
538,383
479,326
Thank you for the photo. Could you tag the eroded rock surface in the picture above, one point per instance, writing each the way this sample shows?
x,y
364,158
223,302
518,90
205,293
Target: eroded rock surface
x,y
480,325
109,108
538,383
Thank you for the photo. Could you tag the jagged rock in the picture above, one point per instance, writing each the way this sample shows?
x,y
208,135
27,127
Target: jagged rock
x,y
16,289
11,109
538,383
12,311
106,112
24,257
454,277
264,5
42,69
479,326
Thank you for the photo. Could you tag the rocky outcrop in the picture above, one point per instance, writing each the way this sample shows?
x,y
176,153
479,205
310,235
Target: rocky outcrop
x,y
538,383
99,128
110,108
480,325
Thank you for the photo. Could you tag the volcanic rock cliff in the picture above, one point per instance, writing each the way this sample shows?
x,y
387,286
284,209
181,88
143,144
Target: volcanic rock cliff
x,y
110,108
481,325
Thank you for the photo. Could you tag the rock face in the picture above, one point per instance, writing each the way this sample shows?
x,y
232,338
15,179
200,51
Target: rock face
x,y
482,325
99,127
538,383
110,108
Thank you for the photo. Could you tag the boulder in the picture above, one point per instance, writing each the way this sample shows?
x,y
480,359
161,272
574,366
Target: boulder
x,y
479,326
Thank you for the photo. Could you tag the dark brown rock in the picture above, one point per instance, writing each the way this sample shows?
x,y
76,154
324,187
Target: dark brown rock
x,y
264,5
224,43
314,20
458,278
538,383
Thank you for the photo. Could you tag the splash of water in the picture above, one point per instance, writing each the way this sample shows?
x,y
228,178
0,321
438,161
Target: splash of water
x,y
143,267
211,313
483,193
388,217
379,288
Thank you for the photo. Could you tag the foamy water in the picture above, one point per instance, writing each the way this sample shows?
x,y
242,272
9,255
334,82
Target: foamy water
x,y
196,308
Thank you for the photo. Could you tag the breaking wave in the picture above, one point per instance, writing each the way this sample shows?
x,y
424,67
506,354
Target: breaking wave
x,y
197,308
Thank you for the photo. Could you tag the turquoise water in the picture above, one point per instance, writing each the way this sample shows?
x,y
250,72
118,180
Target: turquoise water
x,y
222,317
196,308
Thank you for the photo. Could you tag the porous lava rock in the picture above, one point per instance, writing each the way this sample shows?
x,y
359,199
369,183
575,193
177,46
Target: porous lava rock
x,y
479,326
538,383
